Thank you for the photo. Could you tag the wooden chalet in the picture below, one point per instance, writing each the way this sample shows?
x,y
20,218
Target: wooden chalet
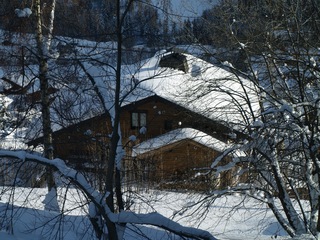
x,y
158,112
85,145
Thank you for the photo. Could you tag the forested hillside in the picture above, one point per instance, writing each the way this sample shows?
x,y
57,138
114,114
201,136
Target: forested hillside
x,y
148,21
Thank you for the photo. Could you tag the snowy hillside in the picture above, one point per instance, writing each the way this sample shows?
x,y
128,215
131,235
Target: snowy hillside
x,y
250,221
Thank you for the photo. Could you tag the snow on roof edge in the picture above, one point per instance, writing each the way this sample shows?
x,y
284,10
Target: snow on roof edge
x,y
178,135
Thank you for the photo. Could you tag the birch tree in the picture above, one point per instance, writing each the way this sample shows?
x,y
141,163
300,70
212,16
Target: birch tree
x,y
43,40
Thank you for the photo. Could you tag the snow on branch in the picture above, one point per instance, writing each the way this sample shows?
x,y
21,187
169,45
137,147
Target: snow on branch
x,y
158,220
226,153
153,219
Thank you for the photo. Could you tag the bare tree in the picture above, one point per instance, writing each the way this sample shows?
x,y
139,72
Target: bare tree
x,y
43,48
279,145
103,206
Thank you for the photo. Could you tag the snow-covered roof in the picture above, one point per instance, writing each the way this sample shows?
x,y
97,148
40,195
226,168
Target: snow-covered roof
x,y
176,136
205,88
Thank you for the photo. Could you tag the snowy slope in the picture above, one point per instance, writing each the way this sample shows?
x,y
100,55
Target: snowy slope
x,y
250,220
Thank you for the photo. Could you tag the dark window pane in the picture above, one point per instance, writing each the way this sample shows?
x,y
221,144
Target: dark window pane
x,y
143,119
135,119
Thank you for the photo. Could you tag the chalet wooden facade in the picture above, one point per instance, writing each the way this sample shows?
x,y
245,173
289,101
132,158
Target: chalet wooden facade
x,y
180,162
158,111
85,145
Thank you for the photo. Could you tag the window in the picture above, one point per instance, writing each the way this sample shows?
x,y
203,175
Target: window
x,y
138,119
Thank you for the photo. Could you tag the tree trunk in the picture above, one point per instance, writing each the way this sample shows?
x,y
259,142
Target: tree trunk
x,y
113,170
43,48
46,120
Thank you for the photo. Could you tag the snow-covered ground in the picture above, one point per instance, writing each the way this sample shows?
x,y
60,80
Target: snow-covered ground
x,y
231,217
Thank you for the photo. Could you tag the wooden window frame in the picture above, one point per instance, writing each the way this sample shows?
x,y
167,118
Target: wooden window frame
x,y
139,119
